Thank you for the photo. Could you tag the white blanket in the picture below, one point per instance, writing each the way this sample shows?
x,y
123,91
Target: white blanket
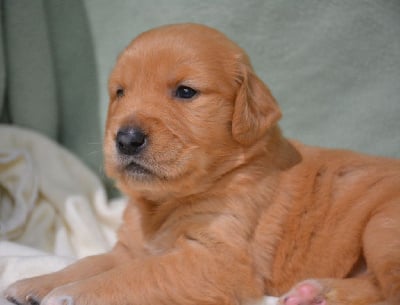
x,y
53,209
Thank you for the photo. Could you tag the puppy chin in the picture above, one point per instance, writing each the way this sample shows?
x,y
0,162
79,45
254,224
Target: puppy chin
x,y
138,171
119,168
135,169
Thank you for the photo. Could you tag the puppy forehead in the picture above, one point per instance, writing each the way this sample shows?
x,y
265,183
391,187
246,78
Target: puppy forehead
x,y
180,50
193,39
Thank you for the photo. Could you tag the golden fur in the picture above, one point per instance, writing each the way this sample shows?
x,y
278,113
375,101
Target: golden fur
x,y
224,209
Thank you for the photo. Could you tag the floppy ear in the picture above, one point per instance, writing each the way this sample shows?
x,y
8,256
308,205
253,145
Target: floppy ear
x,y
255,109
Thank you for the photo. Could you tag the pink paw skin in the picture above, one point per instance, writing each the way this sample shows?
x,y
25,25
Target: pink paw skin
x,y
305,293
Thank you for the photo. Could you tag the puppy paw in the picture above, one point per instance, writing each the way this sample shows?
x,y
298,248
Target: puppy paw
x,y
76,293
29,291
59,300
308,292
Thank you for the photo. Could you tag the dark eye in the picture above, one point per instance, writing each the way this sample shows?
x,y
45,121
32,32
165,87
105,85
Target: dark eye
x,y
120,92
185,92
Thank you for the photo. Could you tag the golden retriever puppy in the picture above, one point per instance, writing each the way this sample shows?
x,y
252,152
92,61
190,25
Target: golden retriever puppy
x,y
223,208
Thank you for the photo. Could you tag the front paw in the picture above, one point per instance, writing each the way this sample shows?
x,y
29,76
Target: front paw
x,y
77,293
29,291
59,299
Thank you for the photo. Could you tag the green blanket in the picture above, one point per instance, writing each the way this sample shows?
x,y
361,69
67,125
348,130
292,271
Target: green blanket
x,y
334,66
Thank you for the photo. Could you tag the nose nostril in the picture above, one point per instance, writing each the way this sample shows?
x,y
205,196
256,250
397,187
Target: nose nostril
x,y
130,141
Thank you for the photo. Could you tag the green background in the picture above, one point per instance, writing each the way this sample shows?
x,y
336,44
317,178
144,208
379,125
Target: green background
x,y
334,66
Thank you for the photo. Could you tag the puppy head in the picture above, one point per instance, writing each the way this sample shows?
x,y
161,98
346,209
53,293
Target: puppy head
x,y
185,106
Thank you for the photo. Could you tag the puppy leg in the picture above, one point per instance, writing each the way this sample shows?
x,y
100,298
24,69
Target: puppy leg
x,y
353,291
183,276
33,290
381,242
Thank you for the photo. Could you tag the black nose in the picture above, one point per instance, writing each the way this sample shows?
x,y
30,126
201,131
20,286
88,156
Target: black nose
x,y
130,141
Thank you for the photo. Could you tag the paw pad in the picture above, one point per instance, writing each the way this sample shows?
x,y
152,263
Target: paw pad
x,y
305,293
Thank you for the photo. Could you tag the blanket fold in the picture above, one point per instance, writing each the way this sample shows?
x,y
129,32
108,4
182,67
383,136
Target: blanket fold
x,y
53,208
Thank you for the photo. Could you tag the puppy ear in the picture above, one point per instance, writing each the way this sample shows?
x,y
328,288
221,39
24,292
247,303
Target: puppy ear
x,y
255,109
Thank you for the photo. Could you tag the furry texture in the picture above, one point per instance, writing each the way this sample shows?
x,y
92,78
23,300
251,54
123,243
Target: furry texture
x,y
224,208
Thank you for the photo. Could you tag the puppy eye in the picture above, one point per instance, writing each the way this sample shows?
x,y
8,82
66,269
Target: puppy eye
x,y
185,92
120,92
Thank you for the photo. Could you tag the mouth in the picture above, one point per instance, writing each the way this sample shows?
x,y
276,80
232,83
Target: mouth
x,y
137,170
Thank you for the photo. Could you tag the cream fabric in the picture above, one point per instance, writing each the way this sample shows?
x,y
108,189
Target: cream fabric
x,y
53,209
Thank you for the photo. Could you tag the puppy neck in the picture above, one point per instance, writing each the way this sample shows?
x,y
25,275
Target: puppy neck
x,y
259,166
